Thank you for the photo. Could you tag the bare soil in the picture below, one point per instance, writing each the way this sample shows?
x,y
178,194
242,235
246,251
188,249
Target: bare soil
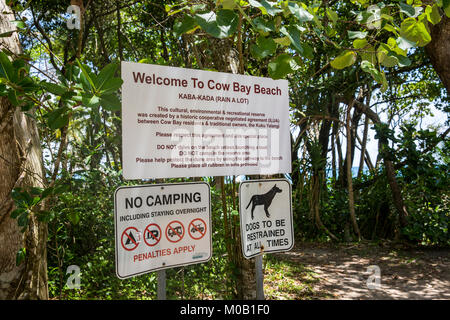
x,y
341,272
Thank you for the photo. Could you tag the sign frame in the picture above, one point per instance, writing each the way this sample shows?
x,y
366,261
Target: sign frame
x,y
243,205
118,239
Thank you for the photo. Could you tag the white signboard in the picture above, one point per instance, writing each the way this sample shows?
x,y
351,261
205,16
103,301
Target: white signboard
x,y
185,123
161,226
265,211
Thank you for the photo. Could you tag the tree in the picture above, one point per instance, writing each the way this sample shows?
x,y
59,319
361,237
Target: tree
x,y
23,264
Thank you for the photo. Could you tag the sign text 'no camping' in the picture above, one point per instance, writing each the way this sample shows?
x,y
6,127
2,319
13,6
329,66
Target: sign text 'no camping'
x,y
161,226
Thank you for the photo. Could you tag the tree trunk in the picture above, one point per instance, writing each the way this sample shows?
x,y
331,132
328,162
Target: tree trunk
x,y
20,166
390,170
439,50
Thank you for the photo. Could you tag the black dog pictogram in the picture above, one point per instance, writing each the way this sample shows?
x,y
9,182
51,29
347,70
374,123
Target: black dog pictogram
x,y
264,199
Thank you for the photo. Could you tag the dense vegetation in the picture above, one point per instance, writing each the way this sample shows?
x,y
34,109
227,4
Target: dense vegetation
x,y
354,67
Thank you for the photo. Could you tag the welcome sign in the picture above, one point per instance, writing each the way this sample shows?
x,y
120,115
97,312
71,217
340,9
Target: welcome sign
x,y
180,122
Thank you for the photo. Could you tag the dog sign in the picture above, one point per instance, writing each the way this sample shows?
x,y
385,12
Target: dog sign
x,y
265,211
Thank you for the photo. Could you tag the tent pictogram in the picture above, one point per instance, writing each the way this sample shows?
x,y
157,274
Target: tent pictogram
x,y
130,238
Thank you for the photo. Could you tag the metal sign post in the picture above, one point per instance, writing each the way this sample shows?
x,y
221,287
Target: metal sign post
x,y
161,291
259,277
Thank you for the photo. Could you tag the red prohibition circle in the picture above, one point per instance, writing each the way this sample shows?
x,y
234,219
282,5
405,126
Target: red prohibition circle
x,y
125,235
154,237
174,231
192,228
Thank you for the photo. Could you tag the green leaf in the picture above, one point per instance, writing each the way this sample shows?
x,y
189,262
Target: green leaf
x,y
294,34
264,25
6,68
344,60
19,24
332,15
90,100
446,7
222,25
281,66
415,31
186,25
433,15
112,85
357,34
300,12
283,41
110,102
86,77
407,9
405,44
20,256
264,47
58,118
54,88
106,74
7,34
74,217
228,4
378,76
265,7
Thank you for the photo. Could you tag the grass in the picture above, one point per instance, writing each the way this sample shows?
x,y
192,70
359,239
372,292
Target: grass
x,y
285,280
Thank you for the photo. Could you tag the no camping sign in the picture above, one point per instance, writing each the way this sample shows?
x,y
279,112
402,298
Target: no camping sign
x,y
265,211
161,226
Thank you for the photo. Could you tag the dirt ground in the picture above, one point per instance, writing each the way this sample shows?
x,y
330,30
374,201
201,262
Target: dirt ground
x,y
341,272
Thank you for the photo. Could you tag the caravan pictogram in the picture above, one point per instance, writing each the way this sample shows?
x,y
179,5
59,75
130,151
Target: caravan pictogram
x,y
175,231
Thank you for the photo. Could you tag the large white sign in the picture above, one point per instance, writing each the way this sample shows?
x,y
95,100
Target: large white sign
x,y
265,210
161,226
185,123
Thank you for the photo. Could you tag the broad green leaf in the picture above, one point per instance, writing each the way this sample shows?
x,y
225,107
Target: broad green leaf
x,y
283,41
377,75
228,4
19,24
111,86
332,15
446,7
264,25
415,31
264,47
407,9
360,43
7,34
86,77
110,102
186,25
222,25
265,7
105,75
405,44
385,57
54,88
357,34
344,60
74,217
90,100
300,12
281,66
433,15
58,118
6,68
293,33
